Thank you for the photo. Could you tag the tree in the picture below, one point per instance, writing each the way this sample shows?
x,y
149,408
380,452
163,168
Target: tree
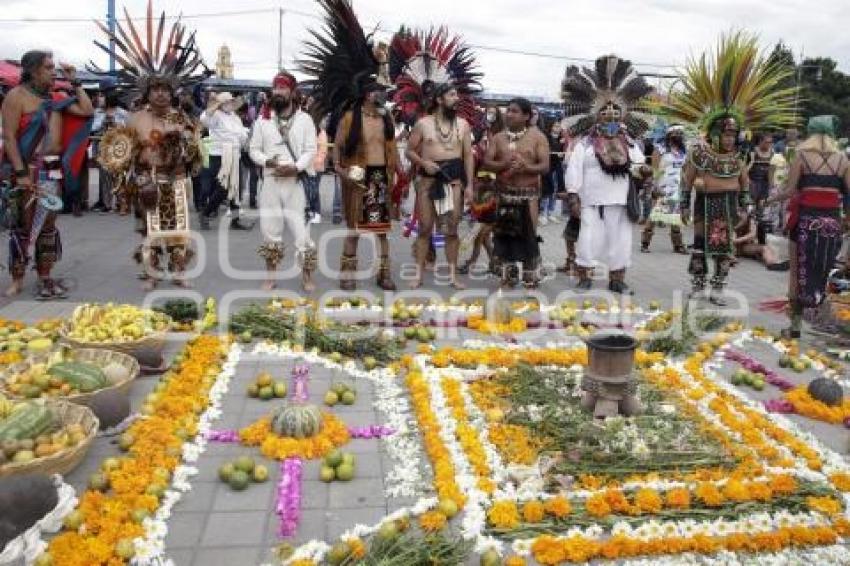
x,y
825,90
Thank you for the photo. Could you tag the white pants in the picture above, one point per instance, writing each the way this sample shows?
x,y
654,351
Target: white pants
x,y
605,241
282,204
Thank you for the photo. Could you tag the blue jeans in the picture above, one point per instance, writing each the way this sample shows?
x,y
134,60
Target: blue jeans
x,y
311,188
337,210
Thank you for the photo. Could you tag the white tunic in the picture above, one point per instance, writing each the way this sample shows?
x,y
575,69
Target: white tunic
x,y
594,186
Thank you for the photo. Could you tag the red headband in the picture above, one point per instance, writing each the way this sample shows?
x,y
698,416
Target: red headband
x,y
284,80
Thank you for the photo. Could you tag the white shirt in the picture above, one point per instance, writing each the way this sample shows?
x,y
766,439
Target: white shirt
x,y
594,186
226,130
670,165
267,142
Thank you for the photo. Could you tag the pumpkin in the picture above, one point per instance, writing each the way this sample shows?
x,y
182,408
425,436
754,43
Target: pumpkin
x,y
297,420
826,391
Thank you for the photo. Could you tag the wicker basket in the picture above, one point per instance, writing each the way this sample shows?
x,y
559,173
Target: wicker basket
x,y
100,358
68,459
144,349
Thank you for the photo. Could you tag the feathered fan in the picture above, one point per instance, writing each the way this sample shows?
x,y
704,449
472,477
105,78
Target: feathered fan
x,y
420,61
340,59
612,80
175,61
736,80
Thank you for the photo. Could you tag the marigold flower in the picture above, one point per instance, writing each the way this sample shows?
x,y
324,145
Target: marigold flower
x,y
548,550
735,490
597,506
558,507
432,521
709,494
783,484
678,498
825,505
515,561
533,512
648,501
503,515
841,481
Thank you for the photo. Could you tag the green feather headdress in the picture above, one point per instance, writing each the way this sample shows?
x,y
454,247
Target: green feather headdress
x,y
736,80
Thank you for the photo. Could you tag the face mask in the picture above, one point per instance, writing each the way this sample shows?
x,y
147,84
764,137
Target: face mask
x,y
610,129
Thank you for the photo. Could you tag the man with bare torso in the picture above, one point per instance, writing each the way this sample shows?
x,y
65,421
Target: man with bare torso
x,y
441,147
519,156
32,124
169,144
366,158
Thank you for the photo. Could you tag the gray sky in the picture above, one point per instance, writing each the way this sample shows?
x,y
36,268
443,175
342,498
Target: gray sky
x,y
649,32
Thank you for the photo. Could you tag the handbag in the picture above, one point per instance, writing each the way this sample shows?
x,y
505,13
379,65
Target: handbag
x,y
633,203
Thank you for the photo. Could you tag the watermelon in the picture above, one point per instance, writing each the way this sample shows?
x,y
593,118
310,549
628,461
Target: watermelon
x,y
29,422
83,376
297,421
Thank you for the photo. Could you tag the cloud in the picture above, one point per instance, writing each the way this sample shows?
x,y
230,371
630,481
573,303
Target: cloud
x,y
649,32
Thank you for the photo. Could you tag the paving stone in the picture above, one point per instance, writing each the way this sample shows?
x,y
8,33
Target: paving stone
x,y
227,556
258,497
362,492
314,493
235,529
183,557
184,530
199,499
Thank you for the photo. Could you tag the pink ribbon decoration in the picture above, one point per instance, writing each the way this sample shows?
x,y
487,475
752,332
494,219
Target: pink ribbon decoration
x,y
779,406
300,376
288,507
371,431
224,436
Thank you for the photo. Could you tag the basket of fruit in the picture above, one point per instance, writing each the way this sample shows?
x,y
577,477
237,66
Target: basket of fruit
x,y
80,376
44,437
128,329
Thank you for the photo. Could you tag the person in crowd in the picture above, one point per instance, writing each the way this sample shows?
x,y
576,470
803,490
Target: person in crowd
x,y
284,144
554,182
519,156
714,169
668,159
32,142
249,174
747,245
159,150
761,169
486,196
602,163
110,116
440,146
818,184
314,181
227,136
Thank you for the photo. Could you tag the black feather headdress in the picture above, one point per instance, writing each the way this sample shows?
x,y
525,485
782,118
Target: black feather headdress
x,y
611,81
147,57
340,60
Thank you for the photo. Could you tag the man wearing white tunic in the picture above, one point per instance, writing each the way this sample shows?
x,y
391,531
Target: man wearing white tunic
x,y
603,107
284,143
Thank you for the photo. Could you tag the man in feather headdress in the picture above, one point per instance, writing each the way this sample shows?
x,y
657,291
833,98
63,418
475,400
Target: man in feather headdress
x,y
32,126
156,153
739,88
435,88
347,80
604,107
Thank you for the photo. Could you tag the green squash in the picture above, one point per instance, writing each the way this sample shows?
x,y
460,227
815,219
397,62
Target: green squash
x,y
29,422
297,421
826,391
83,376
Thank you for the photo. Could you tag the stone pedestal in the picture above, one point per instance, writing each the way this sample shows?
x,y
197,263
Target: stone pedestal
x,y
609,384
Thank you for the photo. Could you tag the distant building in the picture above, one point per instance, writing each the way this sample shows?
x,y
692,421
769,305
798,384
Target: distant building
x,y
224,64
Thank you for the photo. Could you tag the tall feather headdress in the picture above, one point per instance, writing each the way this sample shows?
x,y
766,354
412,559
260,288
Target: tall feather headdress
x,y
340,59
612,80
736,80
147,56
421,61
